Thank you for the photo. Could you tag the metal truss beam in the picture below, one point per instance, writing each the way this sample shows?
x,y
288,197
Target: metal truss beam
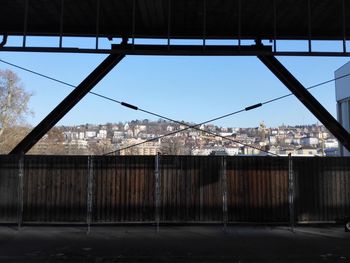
x,y
179,50
67,104
307,99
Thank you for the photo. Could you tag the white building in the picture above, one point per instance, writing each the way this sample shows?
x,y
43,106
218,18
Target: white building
x,y
331,143
102,134
233,151
342,94
309,141
90,134
81,135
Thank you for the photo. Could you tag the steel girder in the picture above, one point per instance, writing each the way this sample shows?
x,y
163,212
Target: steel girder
x,y
68,103
307,99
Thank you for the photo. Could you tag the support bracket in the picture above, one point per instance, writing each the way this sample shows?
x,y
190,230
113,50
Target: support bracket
x,y
68,103
307,99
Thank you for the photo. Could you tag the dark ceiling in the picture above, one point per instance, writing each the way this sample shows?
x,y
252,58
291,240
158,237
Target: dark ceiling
x,y
190,19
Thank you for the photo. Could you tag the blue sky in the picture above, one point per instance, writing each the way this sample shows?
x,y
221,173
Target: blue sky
x,y
192,89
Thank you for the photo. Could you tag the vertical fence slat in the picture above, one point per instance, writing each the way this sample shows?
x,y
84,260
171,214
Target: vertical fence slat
x,y
56,189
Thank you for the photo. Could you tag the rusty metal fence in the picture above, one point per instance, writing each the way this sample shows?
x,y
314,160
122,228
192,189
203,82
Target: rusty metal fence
x,y
173,189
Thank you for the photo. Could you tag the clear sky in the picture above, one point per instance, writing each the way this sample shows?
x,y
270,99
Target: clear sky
x,y
192,89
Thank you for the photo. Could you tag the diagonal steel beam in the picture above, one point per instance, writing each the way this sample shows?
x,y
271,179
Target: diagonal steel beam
x,y
67,104
307,99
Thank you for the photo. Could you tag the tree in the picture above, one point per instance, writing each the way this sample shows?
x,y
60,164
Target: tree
x,y
101,147
13,108
173,146
51,144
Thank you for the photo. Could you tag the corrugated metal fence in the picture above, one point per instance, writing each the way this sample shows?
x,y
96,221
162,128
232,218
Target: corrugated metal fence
x,y
104,189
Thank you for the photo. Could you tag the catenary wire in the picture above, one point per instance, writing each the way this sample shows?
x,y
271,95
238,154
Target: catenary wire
x,y
145,111
163,117
195,126
114,100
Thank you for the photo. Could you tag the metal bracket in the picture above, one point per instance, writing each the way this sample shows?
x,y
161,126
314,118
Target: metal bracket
x,y
307,99
67,104
4,40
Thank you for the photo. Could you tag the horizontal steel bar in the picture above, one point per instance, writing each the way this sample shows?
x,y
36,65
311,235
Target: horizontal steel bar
x,y
180,50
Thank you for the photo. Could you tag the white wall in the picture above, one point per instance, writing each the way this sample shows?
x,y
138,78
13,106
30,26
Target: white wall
x,y
342,93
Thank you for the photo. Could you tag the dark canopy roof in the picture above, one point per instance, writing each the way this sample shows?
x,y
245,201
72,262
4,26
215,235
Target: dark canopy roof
x,y
193,19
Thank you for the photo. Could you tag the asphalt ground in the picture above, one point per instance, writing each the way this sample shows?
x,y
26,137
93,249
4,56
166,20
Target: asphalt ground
x,y
174,244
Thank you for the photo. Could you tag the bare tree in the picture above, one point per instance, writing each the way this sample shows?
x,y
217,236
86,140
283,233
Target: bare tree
x,y
13,108
173,146
52,143
101,147
11,136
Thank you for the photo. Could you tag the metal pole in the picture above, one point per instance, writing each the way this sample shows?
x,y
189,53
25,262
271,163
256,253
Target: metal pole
x,y
97,23
25,25
224,191
133,22
204,22
344,26
61,24
157,192
309,25
291,189
169,22
239,23
274,26
89,192
20,191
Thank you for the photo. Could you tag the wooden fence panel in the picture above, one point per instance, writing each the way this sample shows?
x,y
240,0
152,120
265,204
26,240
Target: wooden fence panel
x,y
55,189
9,181
257,189
192,189
123,189
323,188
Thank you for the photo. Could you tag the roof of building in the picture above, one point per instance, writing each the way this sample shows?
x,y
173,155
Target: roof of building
x,y
189,19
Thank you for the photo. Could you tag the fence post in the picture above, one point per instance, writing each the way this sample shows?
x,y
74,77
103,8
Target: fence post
x,y
20,191
89,192
223,176
291,188
157,192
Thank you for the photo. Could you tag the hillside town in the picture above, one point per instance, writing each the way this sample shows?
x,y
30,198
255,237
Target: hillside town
x,y
145,137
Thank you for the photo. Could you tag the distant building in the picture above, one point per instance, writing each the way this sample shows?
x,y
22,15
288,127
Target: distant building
x,y
331,143
169,128
90,134
309,141
331,151
102,134
272,140
342,93
233,150
308,151
146,148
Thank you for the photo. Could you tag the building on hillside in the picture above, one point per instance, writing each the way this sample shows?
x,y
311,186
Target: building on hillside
x,y
309,141
90,134
342,94
102,134
139,147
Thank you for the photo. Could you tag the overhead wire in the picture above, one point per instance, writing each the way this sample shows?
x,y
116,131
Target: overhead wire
x,y
148,112
169,119
194,126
